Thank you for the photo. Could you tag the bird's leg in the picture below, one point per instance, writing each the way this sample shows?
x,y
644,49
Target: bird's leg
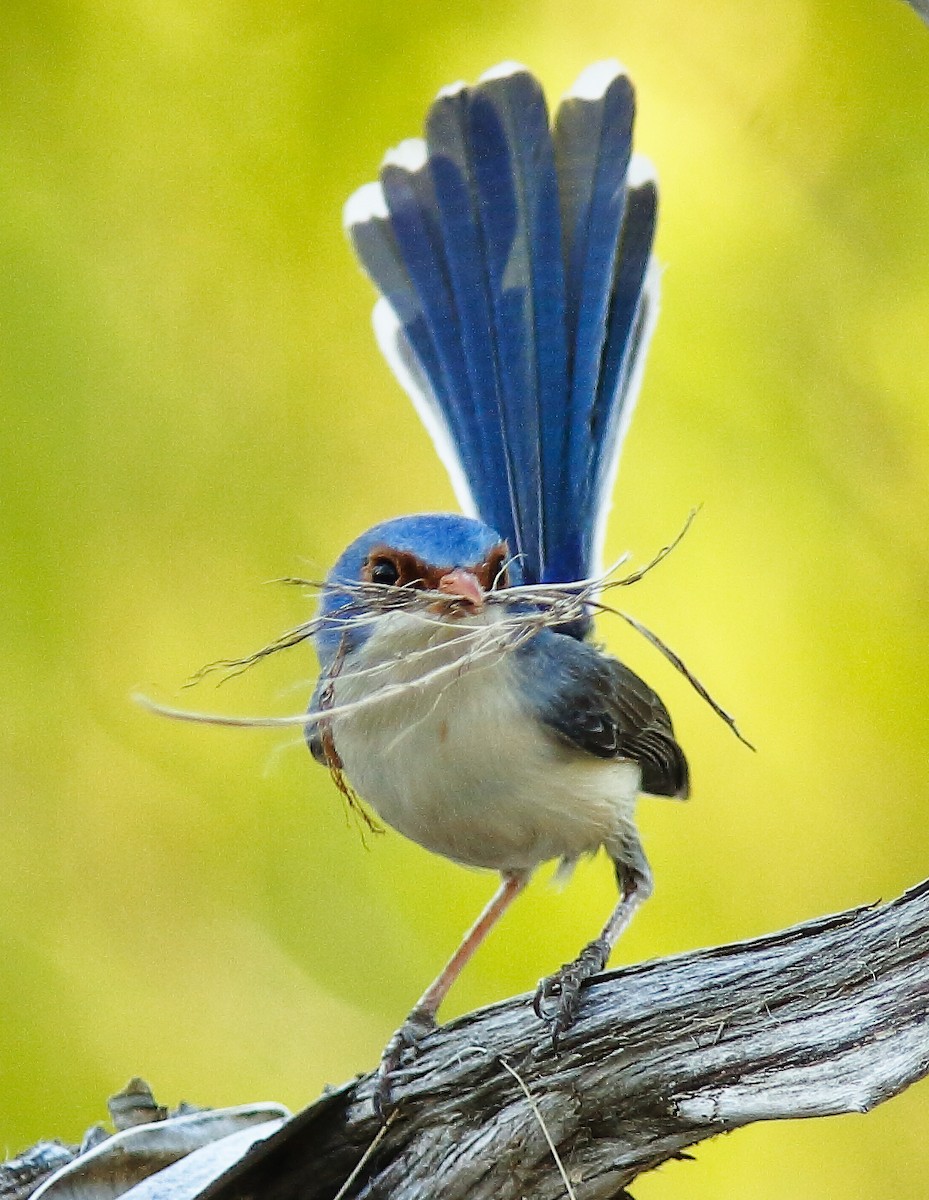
x,y
557,997
422,1017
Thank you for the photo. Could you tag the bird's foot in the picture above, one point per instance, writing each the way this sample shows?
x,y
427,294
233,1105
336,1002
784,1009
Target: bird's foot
x,y
558,997
418,1024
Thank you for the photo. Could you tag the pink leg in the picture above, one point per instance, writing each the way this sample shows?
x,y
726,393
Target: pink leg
x,y
422,1018
510,887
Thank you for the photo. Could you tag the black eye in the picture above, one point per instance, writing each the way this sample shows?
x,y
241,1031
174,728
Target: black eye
x,y
384,570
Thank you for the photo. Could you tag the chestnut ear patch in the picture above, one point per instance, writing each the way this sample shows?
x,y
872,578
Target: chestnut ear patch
x,y
400,568
492,573
406,569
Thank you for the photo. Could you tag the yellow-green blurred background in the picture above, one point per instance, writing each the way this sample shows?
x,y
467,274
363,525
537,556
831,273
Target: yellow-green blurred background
x,y
192,404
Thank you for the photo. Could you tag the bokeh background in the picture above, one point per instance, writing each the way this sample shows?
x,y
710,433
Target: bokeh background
x,y
192,404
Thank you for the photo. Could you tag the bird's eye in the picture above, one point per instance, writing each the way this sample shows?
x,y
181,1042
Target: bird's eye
x,y
384,570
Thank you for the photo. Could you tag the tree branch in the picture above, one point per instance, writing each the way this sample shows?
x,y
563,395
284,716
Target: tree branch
x,y
827,1017
922,7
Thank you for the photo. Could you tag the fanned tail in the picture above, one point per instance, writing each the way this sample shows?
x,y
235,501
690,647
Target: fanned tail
x,y
518,297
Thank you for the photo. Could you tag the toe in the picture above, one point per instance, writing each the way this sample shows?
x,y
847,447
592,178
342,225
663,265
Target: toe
x,y
557,999
406,1040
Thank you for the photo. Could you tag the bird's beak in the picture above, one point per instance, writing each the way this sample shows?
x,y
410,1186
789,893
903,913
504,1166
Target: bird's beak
x,y
463,585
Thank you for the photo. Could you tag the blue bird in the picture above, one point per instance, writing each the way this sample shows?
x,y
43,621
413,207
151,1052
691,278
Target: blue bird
x,y
459,694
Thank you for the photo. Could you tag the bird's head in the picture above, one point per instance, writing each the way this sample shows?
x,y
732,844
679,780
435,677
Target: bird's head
x,y
455,559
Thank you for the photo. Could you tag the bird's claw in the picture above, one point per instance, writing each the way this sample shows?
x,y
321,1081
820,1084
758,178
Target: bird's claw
x,y
558,997
407,1038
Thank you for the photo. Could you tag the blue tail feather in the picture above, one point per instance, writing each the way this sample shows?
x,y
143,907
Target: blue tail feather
x,y
512,258
372,234
517,204
593,142
626,337
406,364
410,198
491,446
533,293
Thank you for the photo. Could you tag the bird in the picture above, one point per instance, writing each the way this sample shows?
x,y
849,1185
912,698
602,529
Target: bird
x,y
461,692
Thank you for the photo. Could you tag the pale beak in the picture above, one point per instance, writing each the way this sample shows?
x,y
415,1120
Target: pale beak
x,y
463,585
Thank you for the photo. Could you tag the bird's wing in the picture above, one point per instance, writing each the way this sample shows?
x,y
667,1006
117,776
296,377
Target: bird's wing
x,y
598,705
518,295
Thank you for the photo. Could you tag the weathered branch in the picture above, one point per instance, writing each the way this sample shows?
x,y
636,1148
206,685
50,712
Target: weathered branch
x,y
922,7
828,1017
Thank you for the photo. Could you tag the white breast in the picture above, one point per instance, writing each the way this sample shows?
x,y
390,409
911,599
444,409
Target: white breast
x,y
449,755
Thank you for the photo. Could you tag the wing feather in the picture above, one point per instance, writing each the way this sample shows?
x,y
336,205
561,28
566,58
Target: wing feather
x,y
598,705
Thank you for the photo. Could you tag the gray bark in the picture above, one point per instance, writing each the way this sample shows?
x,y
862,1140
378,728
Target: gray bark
x,y
922,7
827,1017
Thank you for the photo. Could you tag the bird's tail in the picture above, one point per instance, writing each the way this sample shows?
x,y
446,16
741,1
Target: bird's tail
x,y
518,294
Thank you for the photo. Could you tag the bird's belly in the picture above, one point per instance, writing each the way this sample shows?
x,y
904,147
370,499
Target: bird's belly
x,y
464,769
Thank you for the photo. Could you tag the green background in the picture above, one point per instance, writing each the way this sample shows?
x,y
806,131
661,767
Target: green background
x,y
192,404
